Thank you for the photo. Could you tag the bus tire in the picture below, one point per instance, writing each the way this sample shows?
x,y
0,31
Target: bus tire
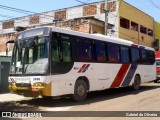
x,y
47,97
155,81
80,91
137,82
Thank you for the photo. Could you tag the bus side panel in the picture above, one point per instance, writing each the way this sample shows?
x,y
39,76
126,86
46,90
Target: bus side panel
x,y
146,72
100,77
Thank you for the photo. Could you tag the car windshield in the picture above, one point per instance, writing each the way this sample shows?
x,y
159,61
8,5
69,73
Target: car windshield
x,y
30,56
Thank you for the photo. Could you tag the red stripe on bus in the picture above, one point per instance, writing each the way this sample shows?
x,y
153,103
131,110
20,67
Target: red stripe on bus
x,y
82,68
120,76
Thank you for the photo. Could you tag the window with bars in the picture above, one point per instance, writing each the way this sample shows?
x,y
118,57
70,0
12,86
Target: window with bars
x,y
143,29
125,23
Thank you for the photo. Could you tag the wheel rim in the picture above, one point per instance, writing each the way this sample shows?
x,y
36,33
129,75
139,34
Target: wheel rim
x,y
80,90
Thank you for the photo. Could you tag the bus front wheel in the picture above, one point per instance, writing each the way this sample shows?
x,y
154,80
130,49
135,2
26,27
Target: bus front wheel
x,y
80,91
137,82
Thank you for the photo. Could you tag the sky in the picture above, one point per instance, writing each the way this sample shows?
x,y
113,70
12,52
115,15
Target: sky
x,y
151,7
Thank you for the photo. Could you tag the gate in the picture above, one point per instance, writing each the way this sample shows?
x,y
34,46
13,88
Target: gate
x,y
4,77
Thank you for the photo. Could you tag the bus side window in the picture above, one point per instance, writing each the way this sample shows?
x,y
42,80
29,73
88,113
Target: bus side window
x,y
66,45
55,51
143,56
150,57
113,53
100,54
135,55
124,54
84,50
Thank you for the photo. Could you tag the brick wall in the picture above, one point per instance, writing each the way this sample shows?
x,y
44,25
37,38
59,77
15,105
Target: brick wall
x,y
111,7
76,25
34,20
65,14
89,10
9,24
60,14
3,43
4,38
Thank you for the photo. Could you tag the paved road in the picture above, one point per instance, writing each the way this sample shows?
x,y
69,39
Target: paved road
x,y
120,99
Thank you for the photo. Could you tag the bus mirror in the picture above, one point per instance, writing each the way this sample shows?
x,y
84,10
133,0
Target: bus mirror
x,y
6,51
11,41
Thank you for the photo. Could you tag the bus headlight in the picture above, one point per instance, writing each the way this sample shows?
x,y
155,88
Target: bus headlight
x,y
38,84
11,84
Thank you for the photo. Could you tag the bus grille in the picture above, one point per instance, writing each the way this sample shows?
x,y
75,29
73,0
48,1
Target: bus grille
x,y
23,85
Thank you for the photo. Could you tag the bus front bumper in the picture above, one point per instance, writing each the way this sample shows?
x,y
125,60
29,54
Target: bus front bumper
x,y
37,89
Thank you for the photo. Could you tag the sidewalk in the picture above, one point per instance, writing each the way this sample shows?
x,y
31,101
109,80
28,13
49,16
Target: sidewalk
x,y
5,97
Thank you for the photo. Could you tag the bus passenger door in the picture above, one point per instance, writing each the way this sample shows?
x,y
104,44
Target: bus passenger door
x,y
61,60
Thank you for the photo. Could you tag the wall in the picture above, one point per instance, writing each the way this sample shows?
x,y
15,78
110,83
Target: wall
x,y
3,39
133,14
93,9
157,33
86,24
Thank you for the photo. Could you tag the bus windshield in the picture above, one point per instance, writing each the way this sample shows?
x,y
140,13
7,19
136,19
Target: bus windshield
x,y
30,56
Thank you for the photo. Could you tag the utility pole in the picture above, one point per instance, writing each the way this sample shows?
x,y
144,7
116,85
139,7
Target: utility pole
x,y
106,16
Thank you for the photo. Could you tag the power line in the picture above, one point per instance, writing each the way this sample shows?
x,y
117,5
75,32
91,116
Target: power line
x,y
87,1
22,11
30,12
81,2
6,16
84,3
115,20
16,10
154,4
97,7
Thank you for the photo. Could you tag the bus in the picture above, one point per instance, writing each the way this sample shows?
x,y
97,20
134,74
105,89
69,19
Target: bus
x,y
157,55
50,61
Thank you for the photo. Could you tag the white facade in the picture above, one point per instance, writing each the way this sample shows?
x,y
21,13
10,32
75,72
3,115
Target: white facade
x,y
74,12
71,13
23,21
46,17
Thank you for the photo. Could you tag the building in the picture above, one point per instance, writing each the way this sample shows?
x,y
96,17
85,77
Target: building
x,y
135,25
157,35
125,21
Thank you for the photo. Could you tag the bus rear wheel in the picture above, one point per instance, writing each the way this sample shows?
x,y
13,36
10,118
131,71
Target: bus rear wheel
x,y
137,82
80,91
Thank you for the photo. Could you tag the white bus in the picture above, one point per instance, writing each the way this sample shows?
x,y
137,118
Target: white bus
x,y
50,61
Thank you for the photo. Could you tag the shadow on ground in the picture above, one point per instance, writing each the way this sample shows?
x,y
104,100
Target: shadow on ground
x,y
91,98
13,106
16,106
40,104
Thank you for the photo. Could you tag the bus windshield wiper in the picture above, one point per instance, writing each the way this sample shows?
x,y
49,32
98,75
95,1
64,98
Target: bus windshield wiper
x,y
32,41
